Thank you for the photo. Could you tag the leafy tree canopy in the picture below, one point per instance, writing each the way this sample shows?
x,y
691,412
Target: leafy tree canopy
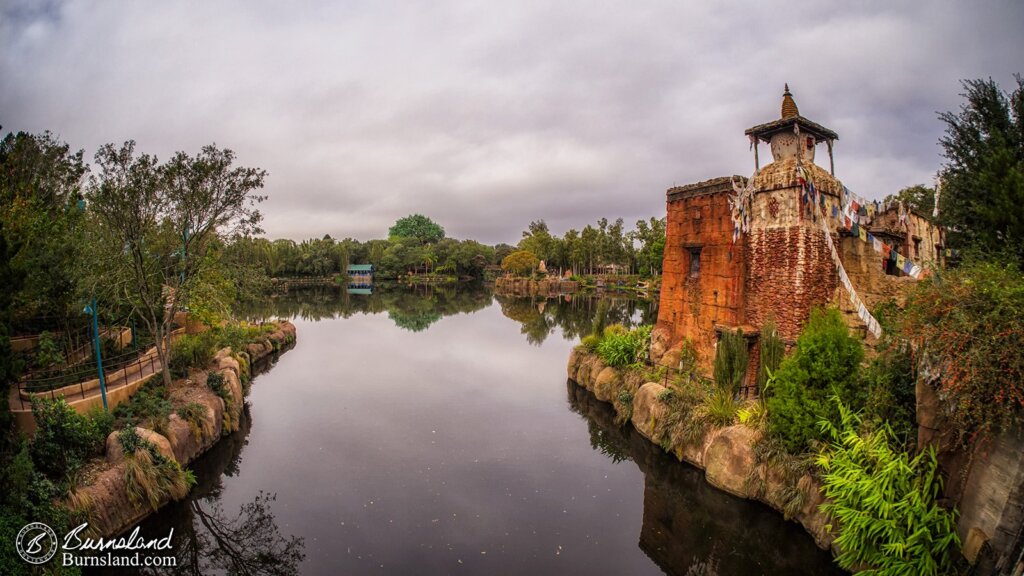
x,y
520,262
919,197
419,227
983,181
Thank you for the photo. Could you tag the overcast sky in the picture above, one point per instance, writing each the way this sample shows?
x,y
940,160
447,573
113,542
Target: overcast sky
x,y
486,115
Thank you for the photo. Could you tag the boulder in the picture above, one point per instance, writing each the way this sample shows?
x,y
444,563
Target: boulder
x,y
574,360
729,460
694,451
648,410
231,379
115,453
659,343
607,384
671,357
224,361
810,516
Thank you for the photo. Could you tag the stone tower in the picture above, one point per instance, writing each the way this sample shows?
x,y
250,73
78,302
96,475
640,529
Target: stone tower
x,y
789,269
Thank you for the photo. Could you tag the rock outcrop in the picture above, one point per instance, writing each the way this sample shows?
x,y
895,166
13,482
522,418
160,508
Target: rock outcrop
x,y
725,454
105,499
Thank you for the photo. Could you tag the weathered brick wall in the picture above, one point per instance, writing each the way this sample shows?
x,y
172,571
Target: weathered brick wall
x,y
699,216
790,272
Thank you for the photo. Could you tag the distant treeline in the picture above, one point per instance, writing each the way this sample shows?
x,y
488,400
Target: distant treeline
x,y
417,245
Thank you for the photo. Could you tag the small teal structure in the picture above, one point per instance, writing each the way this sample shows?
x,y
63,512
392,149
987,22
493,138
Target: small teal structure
x,y
360,275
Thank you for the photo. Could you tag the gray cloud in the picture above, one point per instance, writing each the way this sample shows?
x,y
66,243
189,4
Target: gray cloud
x,y
488,116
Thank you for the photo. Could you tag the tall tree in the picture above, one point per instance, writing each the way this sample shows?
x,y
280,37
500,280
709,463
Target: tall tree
x,y
417,226
983,181
40,184
155,225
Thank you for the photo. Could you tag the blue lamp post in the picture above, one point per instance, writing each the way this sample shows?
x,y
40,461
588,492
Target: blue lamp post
x,y
91,309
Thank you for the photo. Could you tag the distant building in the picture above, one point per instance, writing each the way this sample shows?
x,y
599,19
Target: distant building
x,y
360,274
739,252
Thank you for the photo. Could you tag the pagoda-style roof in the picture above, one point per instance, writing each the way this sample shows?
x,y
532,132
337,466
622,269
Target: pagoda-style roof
x,y
766,131
790,117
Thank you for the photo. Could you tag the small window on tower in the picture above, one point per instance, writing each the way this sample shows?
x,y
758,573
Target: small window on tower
x,y
694,262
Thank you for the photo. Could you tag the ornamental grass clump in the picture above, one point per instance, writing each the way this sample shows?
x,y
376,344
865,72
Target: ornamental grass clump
x,y
149,476
620,347
883,503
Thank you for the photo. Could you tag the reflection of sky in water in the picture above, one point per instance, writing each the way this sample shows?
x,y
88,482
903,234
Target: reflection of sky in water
x,y
434,452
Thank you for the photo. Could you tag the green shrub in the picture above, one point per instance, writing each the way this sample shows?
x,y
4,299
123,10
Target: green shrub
x,y
621,347
590,342
48,353
192,351
237,336
730,364
826,362
689,358
64,439
892,394
149,407
970,321
883,503
130,440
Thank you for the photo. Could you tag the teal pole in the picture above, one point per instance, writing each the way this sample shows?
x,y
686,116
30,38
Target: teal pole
x,y
91,309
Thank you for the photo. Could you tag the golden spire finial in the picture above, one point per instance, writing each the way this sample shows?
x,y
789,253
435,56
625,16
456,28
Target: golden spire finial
x,y
789,108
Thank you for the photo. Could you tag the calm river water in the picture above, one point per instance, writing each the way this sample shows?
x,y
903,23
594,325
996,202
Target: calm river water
x,y
433,432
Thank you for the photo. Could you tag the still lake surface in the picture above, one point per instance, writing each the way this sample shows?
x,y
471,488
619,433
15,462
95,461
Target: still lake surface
x,y
433,431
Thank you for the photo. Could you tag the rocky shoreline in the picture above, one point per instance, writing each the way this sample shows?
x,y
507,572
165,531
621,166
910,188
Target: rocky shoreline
x,y
104,500
726,454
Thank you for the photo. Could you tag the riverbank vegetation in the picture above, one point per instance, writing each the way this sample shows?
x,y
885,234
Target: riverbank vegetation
x,y
134,241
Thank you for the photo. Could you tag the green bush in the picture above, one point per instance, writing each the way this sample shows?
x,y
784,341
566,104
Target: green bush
x,y
621,347
149,407
48,353
970,322
891,392
590,342
826,362
64,439
237,336
192,351
883,503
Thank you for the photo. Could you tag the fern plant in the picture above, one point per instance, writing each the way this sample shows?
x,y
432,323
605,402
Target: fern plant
x,y
883,502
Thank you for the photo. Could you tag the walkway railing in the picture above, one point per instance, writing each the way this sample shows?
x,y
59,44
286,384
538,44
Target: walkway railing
x,y
118,370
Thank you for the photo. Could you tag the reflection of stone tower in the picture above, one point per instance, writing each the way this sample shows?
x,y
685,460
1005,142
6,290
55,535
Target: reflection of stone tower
x,y
789,269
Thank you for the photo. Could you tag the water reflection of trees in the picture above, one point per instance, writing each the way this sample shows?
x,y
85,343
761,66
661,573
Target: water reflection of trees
x,y
689,527
574,315
209,540
417,308
413,308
